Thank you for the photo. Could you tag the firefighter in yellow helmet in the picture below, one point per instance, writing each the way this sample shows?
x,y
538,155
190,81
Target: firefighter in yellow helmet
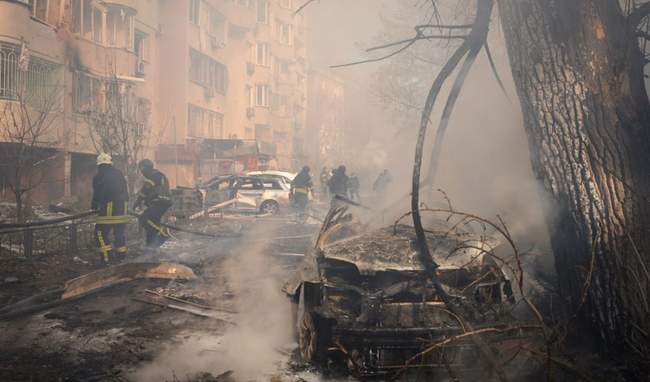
x,y
156,197
110,198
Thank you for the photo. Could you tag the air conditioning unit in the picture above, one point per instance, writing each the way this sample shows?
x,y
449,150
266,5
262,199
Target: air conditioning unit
x,y
209,91
139,68
250,68
250,112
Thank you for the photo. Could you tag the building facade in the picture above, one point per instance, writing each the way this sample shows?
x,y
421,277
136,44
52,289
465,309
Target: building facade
x,y
180,77
324,135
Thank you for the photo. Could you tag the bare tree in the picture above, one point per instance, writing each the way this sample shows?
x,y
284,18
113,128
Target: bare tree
x,y
28,135
120,126
579,71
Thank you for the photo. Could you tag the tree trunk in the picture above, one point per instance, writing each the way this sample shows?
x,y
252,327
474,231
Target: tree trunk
x,y
579,77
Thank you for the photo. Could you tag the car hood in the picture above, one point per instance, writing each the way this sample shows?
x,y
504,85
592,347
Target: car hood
x,y
392,249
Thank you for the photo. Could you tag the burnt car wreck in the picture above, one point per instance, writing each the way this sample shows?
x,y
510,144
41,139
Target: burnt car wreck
x,y
363,299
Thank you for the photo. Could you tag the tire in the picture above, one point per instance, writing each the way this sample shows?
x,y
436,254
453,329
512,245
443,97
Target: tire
x,y
270,207
312,339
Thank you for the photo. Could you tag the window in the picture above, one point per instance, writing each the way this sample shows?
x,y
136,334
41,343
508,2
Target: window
x,y
140,46
88,20
285,34
87,92
42,78
195,11
119,29
39,9
262,95
207,72
204,123
98,26
244,3
286,4
262,54
262,11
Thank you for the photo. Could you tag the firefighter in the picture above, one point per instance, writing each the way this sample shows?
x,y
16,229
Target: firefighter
x,y
110,199
325,175
383,182
338,183
353,187
156,197
301,186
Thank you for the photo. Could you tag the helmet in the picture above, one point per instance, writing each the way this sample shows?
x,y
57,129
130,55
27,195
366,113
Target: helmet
x,y
145,164
104,158
305,169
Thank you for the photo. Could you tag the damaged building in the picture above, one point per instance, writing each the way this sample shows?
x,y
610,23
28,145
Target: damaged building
x,y
230,71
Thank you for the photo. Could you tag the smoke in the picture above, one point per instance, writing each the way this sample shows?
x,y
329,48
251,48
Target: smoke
x,y
485,165
261,327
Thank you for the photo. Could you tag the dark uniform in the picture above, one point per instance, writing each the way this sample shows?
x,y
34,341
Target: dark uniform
x,y
300,188
110,198
339,182
156,197
353,188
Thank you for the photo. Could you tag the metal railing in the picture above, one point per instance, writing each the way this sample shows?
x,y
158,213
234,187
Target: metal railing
x,y
69,237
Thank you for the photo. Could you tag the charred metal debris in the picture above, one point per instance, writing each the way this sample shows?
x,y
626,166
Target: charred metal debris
x,y
365,300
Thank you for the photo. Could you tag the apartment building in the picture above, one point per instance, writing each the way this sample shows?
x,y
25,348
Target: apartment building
x,y
191,77
325,118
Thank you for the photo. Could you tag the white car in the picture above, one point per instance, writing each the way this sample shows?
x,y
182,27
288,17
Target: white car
x,y
285,176
251,193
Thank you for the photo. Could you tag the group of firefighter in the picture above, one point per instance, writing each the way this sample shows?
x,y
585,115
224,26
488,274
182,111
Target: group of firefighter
x,y
111,198
335,182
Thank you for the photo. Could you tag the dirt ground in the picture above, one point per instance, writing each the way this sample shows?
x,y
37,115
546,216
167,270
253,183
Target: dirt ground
x,y
111,336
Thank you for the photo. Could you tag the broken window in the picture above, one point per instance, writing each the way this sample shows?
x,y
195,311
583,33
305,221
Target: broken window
x,y
207,72
195,11
262,11
262,95
204,123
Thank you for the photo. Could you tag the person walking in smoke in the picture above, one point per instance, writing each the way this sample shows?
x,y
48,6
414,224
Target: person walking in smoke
x,y
353,187
301,186
382,183
338,183
110,199
156,197
325,175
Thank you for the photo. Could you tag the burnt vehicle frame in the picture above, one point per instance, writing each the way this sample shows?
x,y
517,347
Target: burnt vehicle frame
x,y
361,297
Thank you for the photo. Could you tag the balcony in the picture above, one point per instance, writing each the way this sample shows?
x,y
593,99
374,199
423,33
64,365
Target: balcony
x,y
128,5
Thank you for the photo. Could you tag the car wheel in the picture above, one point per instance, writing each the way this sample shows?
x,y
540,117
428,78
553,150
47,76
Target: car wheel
x,y
310,339
270,207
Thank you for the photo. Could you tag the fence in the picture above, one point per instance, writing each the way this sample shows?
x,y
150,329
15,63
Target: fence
x,y
72,236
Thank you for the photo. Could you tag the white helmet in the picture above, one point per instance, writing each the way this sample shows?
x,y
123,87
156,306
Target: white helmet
x,y
104,158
